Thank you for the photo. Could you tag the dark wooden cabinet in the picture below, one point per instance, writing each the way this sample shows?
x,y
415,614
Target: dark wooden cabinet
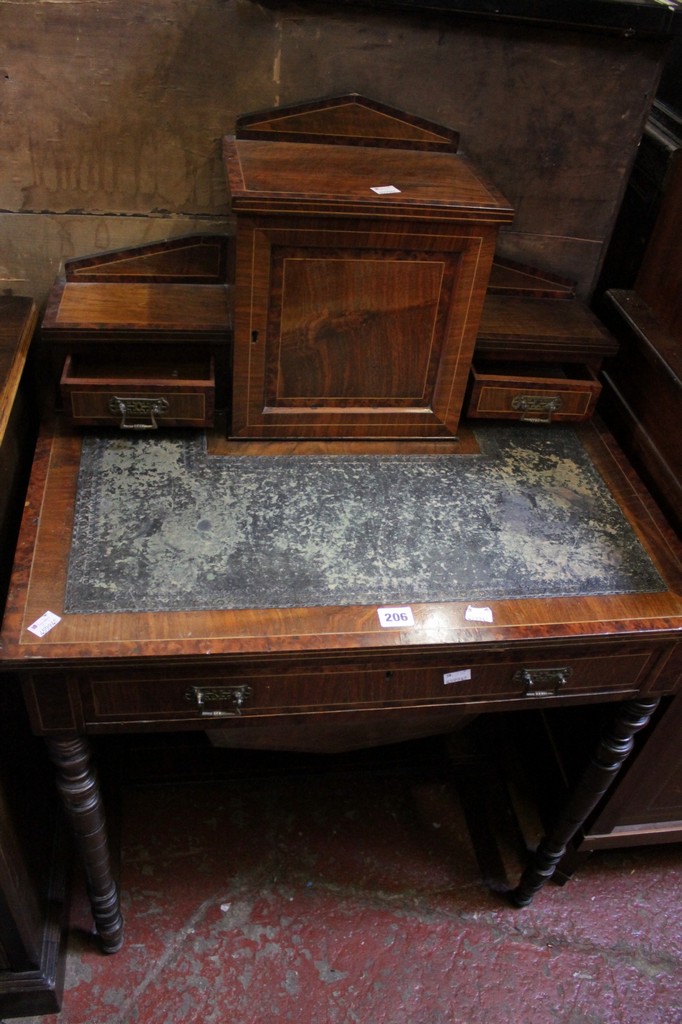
x,y
642,402
32,896
646,806
18,423
364,248
641,302
642,395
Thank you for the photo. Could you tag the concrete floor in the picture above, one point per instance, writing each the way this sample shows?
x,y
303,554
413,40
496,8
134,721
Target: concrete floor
x,y
370,895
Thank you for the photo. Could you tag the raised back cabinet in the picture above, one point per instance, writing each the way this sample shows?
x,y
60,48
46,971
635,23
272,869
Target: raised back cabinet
x,y
364,248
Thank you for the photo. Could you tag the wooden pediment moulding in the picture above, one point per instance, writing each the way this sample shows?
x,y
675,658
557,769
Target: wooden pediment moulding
x,y
203,259
194,259
350,120
509,277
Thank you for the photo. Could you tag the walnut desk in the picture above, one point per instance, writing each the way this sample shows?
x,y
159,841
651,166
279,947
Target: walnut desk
x,y
327,678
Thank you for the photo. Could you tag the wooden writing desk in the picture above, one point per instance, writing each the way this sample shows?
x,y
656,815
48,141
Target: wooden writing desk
x,y
325,678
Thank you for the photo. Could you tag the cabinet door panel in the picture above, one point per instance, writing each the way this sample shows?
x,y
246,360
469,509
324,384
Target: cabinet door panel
x,y
362,330
356,328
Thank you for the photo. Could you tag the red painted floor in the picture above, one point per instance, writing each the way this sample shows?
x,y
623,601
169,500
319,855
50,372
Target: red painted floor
x,y
360,897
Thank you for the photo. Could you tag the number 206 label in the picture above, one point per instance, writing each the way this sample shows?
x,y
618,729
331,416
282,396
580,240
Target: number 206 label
x,y
395,617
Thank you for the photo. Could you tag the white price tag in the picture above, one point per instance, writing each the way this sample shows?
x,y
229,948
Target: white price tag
x,y
457,677
395,618
44,624
473,614
385,190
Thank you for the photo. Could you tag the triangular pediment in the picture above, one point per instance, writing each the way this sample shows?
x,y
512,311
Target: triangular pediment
x,y
199,259
347,120
508,277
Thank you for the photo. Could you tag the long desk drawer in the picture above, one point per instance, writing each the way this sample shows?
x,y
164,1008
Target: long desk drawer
x,y
204,693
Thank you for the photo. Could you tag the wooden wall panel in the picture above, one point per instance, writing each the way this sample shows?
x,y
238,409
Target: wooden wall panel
x,y
114,113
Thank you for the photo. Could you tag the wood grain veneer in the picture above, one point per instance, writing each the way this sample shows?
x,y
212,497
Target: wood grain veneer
x,y
361,269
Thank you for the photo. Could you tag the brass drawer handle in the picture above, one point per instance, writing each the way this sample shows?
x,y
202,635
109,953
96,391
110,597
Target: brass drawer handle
x,y
151,407
234,696
537,408
542,682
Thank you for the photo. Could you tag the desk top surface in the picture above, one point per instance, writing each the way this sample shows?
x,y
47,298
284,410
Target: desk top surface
x,y
40,576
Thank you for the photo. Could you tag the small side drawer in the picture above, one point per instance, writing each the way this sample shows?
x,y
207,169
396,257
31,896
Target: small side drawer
x,y
534,394
143,396
204,693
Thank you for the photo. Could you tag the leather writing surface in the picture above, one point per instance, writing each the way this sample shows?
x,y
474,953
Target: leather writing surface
x,y
161,526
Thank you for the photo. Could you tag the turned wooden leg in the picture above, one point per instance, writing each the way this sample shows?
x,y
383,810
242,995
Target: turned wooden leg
x,y
613,749
79,789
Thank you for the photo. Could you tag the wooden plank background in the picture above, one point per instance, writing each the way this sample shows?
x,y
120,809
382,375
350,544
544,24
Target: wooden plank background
x,y
113,113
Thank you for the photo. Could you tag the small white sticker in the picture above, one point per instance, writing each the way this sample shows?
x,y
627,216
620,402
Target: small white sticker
x,y
473,614
385,190
395,617
44,624
457,677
